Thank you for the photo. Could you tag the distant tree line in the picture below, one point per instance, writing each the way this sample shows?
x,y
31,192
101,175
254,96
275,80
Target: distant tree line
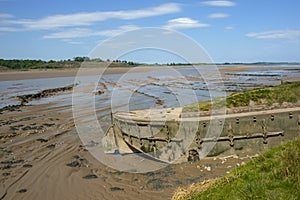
x,y
17,64
125,62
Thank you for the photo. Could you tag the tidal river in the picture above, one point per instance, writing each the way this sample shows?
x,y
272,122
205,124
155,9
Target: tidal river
x,y
41,155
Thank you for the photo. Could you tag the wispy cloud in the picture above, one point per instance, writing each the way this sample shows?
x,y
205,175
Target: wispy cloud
x,y
218,15
9,29
85,32
278,34
228,28
84,19
219,3
5,16
184,23
69,41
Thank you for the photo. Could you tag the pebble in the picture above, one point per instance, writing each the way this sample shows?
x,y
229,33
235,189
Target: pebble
x,y
73,164
27,166
90,176
116,189
5,173
22,191
207,168
42,140
50,146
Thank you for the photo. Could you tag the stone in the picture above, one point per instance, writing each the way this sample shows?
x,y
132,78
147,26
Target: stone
x,y
22,191
27,166
116,189
90,176
73,164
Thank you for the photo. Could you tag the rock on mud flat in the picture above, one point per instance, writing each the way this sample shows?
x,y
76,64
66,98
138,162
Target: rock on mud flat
x,y
116,189
73,164
22,191
90,176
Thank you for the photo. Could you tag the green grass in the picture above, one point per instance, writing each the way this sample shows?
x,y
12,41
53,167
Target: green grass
x,y
286,92
275,174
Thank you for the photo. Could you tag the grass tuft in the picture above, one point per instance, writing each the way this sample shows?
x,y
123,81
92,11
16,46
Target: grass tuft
x,y
275,174
286,92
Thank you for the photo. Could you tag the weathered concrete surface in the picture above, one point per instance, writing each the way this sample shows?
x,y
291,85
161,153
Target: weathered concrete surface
x,y
149,131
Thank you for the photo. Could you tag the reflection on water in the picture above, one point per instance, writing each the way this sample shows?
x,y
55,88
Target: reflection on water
x,y
159,88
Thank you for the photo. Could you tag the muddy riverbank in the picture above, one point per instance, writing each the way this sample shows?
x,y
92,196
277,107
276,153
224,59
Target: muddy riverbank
x,y
42,156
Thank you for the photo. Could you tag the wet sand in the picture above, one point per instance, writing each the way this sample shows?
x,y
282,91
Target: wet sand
x,y
51,73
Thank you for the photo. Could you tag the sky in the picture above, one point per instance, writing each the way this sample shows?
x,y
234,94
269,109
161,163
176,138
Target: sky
x,y
229,31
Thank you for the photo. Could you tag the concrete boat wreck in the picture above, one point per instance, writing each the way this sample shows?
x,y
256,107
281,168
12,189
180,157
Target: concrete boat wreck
x,y
172,136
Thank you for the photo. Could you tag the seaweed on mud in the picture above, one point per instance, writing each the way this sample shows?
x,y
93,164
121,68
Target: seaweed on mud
x,y
73,164
22,191
5,173
90,176
2,123
27,166
10,162
10,108
44,93
51,146
116,189
157,184
42,140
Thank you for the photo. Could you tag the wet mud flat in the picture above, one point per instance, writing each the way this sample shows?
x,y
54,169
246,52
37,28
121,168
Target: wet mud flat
x,y
41,156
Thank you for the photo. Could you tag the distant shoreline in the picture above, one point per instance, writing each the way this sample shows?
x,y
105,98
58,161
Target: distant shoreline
x,y
11,75
56,73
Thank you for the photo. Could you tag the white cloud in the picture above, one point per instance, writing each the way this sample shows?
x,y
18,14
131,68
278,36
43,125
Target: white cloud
x,y
218,15
85,32
184,23
219,3
278,34
113,32
9,29
228,28
72,42
83,19
5,16
72,33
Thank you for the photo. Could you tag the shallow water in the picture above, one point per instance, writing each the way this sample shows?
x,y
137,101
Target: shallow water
x,y
51,150
159,88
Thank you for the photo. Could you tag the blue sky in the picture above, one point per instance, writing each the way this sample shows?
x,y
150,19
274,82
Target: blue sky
x,y
230,31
